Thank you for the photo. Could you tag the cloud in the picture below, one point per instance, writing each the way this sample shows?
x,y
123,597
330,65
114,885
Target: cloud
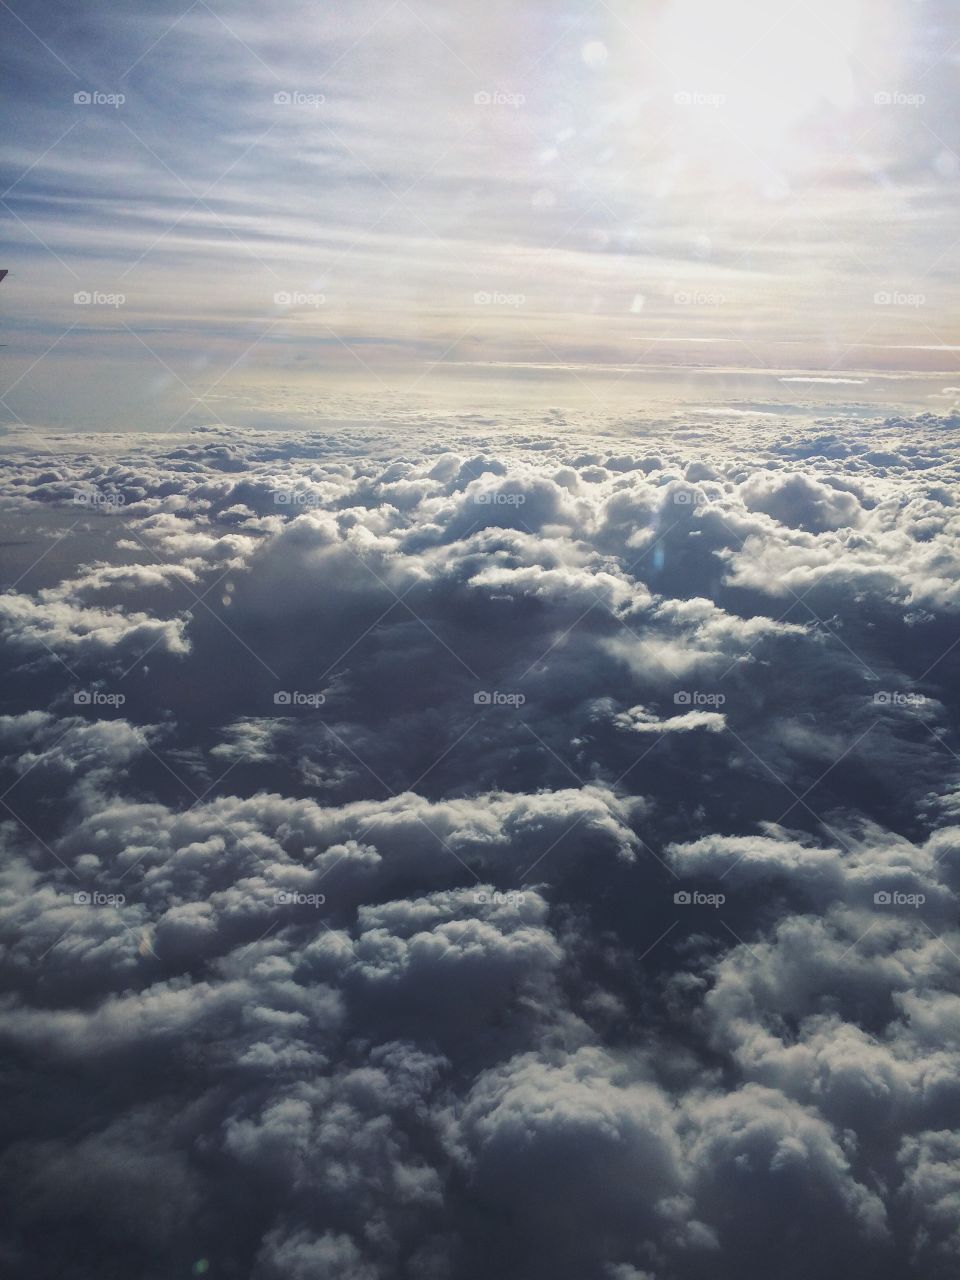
x,y
801,502
455,874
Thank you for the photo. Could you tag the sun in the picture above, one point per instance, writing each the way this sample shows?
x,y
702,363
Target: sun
x,y
761,68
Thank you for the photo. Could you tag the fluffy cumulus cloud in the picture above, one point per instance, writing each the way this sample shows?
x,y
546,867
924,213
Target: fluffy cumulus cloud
x,y
536,860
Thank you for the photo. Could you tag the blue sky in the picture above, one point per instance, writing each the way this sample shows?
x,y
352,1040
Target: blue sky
x,y
458,187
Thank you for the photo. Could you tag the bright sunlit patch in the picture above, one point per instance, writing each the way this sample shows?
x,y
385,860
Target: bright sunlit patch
x,y
766,67
594,53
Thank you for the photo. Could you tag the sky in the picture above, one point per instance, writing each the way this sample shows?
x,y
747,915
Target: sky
x,y
480,641
478,203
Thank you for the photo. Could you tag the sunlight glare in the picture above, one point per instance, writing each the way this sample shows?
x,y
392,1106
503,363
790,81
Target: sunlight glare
x,y
767,67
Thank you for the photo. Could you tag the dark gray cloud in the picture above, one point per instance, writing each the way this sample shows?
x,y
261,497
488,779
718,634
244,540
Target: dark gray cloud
x,y
536,863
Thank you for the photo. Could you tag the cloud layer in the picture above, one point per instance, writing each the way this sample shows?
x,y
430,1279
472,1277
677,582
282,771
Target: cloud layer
x,y
533,861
